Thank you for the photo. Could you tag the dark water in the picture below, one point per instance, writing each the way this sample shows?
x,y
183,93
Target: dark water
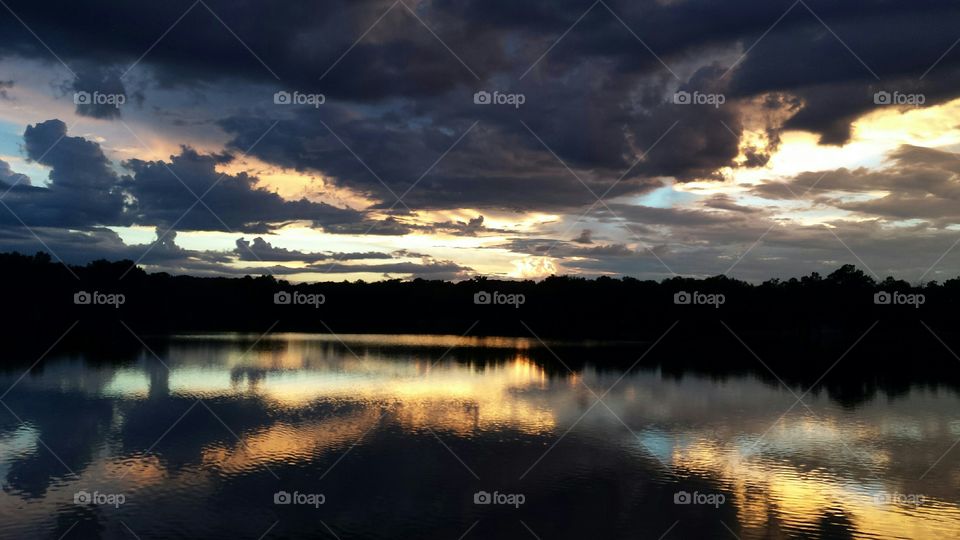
x,y
396,440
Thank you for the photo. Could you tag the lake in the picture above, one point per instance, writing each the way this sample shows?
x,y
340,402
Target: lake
x,y
379,436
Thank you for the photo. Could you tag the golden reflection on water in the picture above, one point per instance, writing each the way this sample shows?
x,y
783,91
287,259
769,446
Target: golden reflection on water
x,y
457,397
414,392
287,443
407,388
768,491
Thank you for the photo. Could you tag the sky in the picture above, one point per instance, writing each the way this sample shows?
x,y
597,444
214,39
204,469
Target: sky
x,y
447,139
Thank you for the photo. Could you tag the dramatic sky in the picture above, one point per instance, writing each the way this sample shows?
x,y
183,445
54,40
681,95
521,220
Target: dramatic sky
x,y
346,139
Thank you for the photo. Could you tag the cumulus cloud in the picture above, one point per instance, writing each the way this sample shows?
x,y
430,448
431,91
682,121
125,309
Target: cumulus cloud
x,y
10,178
83,188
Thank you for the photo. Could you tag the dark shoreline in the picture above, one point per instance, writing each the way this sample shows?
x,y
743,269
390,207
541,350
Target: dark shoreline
x,y
43,296
798,328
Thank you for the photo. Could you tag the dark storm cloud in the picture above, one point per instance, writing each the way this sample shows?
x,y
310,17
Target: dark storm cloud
x,y
598,98
397,154
83,187
600,116
431,167
294,41
859,49
75,162
85,191
164,191
702,137
261,250
387,227
98,92
471,227
9,178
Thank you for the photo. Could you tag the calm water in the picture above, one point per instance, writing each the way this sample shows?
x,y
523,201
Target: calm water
x,y
389,438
